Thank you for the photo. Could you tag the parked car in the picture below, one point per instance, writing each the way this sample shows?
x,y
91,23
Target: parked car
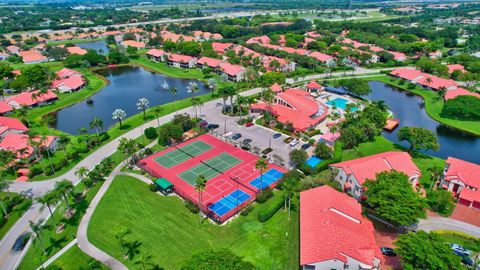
x,y
465,257
212,126
294,142
277,135
460,249
218,104
388,251
247,141
306,146
236,136
249,124
21,242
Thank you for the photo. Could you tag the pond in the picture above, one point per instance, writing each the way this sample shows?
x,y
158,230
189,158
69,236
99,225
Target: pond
x,y
127,85
410,109
100,46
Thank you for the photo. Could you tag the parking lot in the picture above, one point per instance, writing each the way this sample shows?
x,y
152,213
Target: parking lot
x,y
261,137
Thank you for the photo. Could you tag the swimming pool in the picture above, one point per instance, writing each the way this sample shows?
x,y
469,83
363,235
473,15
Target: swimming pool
x,y
313,161
340,103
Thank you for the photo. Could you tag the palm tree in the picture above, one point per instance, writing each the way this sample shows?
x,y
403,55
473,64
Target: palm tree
x,y
232,91
192,88
442,91
120,234
4,185
35,144
43,139
212,84
261,166
224,94
50,198
144,260
81,172
37,229
96,123
127,147
428,80
63,141
200,184
157,111
289,186
268,96
23,114
239,102
64,187
195,101
6,158
143,104
119,115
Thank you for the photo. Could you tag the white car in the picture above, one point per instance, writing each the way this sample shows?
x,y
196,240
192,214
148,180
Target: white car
x,y
294,142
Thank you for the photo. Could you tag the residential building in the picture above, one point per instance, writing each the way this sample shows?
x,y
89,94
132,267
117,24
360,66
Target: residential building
x,y
3,56
68,85
13,49
463,179
352,174
19,144
156,55
10,125
33,57
221,48
334,234
76,50
133,43
66,73
294,106
423,79
5,108
31,99
207,62
453,67
181,61
234,73
460,92
324,58
314,87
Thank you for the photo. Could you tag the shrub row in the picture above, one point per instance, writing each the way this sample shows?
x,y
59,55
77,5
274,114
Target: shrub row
x,y
269,210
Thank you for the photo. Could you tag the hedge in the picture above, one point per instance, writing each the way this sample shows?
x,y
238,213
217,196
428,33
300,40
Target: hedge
x,y
269,210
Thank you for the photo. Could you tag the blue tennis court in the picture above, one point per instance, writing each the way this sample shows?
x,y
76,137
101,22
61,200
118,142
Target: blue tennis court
x,y
268,178
229,202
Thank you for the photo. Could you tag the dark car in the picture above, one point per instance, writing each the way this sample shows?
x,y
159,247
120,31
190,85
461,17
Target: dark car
x,y
306,146
236,136
212,126
388,251
277,135
249,124
21,242
247,141
465,258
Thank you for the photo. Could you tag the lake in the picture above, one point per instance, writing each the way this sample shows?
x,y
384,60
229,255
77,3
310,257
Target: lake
x,y
127,85
100,46
410,109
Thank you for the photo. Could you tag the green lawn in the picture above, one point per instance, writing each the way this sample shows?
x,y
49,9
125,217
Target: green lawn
x,y
56,241
453,237
382,145
170,233
433,106
17,212
75,259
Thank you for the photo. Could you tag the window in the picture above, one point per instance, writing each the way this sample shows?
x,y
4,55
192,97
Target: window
x,y
309,267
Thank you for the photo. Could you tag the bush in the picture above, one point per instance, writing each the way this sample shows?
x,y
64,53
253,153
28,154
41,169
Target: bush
x,y
441,201
34,171
151,133
462,107
192,207
313,132
152,187
263,196
270,209
148,151
323,151
247,210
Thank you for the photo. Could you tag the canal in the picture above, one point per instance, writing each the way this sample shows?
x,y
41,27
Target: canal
x,y
127,85
410,109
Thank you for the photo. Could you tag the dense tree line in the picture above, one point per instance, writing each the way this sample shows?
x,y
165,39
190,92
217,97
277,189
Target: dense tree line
x,y
463,108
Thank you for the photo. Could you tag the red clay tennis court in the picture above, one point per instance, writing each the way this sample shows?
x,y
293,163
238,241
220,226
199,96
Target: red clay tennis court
x,y
232,180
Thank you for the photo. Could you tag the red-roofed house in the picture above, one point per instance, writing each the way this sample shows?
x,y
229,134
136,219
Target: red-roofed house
x,y
66,73
272,63
436,83
68,85
13,49
4,56
18,144
11,125
76,50
324,58
314,87
32,57
156,55
181,61
463,179
133,43
408,74
296,107
31,99
276,88
221,48
453,67
205,62
234,73
459,92
352,174
169,36
334,234
259,40
5,108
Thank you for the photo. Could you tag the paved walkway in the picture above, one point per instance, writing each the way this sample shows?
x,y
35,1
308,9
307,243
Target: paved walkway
x,y
441,223
58,254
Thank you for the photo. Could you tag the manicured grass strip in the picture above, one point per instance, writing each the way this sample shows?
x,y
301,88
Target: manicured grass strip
x,y
170,233
75,259
453,237
433,105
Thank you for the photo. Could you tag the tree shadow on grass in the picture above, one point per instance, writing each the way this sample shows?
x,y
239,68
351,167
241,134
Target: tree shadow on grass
x,y
56,244
133,248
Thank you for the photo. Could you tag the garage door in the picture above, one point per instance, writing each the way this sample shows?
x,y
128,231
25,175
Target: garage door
x,y
476,204
464,202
